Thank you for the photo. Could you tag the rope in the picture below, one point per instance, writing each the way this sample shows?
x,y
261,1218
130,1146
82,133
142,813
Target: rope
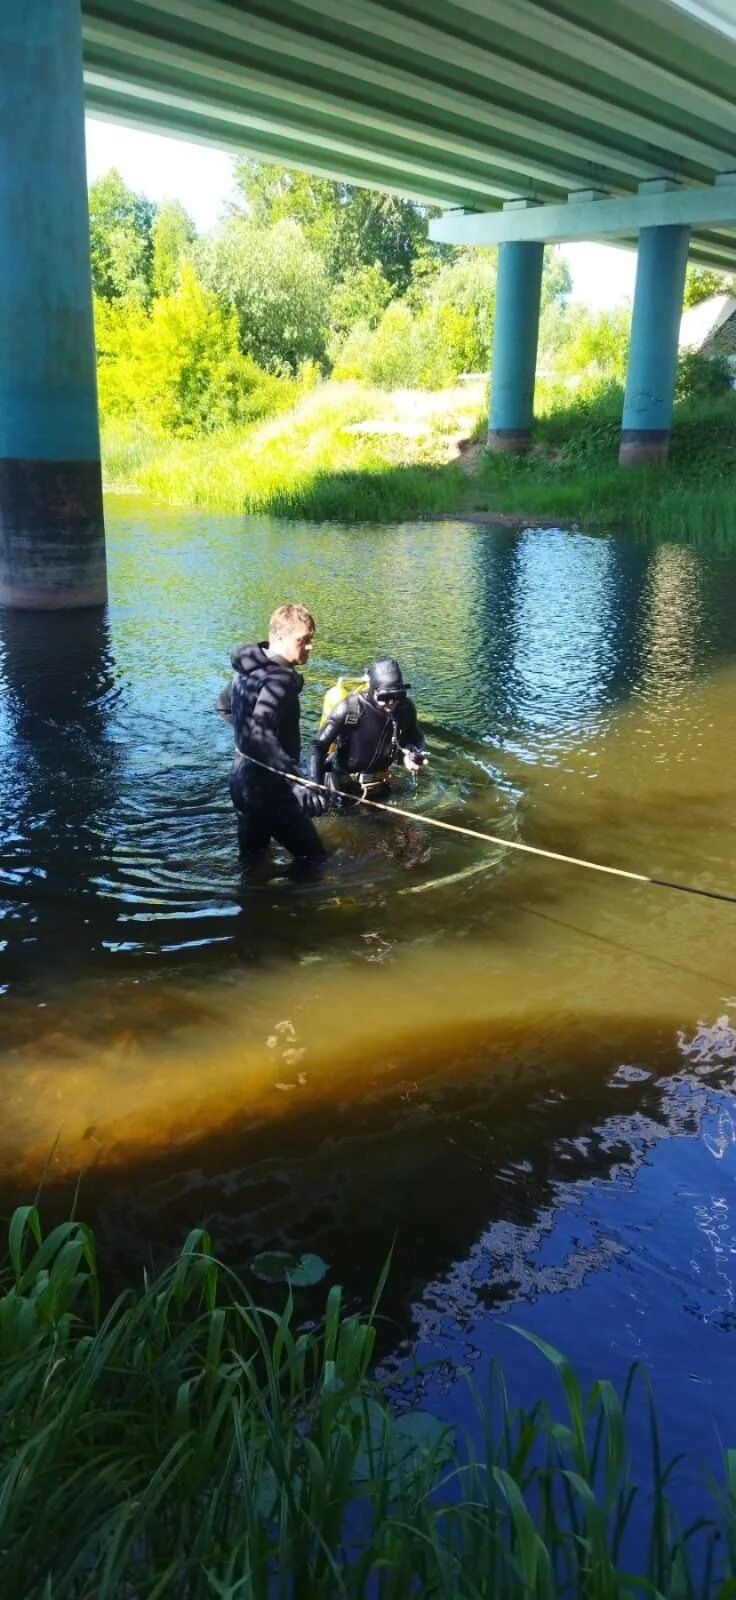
x,y
506,844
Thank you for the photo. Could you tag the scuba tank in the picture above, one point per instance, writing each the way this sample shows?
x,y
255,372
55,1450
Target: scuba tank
x,y
340,691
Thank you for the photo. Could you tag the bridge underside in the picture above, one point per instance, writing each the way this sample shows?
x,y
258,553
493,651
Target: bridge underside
x,y
458,103
521,120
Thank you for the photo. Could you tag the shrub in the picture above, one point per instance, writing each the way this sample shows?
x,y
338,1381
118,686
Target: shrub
x,y
178,368
700,377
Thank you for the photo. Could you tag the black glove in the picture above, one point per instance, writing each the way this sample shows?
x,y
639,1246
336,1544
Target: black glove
x,y
310,801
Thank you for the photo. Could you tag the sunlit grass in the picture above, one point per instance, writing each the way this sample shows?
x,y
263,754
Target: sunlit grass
x,y
348,453
186,1444
309,462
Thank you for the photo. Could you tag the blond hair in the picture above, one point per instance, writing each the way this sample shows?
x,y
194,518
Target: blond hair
x,y
286,619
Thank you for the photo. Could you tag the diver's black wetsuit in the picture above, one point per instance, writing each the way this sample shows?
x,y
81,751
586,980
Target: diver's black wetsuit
x,y
263,700
368,739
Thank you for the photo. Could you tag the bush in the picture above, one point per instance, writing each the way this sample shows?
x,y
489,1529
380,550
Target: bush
x,y
701,377
178,368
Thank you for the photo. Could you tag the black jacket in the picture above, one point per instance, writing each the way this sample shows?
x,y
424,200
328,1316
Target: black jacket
x,y
367,739
263,701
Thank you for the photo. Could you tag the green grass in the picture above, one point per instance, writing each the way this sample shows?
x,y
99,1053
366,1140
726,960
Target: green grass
x,y
186,1444
314,462
305,463
571,474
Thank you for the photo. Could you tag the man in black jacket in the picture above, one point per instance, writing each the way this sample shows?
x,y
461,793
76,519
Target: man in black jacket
x,y
263,701
369,732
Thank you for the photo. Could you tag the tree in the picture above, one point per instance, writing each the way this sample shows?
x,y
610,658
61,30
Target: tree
x,y
465,293
173,235
277,285
121,242
282,194
556,280
592,347
362,295
382,229
702,282
349,226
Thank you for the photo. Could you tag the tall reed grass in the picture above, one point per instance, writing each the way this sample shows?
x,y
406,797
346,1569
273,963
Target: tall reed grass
x,y
186,1444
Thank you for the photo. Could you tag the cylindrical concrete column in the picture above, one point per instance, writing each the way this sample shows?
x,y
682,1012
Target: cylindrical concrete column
x,y
52,539
655,326
515,338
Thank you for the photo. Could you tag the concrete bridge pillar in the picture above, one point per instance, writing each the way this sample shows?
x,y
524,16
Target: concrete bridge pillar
x,y
52,540
515,338
655,326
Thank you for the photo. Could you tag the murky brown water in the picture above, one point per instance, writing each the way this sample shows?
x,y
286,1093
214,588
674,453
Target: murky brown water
x,y
439,1041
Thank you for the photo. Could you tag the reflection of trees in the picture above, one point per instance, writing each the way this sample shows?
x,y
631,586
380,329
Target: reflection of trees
x,y
561,618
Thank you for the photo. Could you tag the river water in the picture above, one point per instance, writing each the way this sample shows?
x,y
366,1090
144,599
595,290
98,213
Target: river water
x,y
517,1072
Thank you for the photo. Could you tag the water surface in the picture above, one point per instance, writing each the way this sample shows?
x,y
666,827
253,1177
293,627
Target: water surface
x,y
519,1071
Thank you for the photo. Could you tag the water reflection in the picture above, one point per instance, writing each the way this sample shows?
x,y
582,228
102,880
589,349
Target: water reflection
x,y
59,784
437,1040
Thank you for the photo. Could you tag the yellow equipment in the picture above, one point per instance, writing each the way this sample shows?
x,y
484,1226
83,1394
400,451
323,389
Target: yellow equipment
x,y
338,692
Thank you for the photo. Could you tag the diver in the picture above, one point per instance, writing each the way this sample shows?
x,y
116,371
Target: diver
x,y
370,730
263,701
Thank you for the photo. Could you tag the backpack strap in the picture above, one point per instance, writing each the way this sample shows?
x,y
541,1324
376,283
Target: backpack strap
x,y
353,710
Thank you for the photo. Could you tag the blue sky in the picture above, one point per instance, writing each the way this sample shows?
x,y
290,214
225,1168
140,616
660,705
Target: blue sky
x,y
201,178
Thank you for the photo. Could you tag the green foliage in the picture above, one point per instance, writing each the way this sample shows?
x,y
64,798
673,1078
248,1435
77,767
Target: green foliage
x,y
556,279
349,227
702,282
282,194
187,1444
701,377
277,285
571,473
586,347
121,241
404,351
426,341
361,295
178,369
465,291
384,229
173,237
442,327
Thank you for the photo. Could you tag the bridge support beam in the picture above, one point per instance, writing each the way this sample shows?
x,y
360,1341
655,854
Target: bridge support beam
x,y
515,338
655,326
52,541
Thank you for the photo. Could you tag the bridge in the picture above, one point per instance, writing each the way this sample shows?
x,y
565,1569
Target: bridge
x,y
525,121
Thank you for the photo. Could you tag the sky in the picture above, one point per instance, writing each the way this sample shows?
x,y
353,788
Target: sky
x,y
200,177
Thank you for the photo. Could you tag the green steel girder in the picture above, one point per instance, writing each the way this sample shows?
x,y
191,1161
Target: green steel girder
x,y
458,103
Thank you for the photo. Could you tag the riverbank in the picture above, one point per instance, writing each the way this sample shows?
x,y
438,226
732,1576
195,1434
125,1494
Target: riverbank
x,y
352,454
187,1443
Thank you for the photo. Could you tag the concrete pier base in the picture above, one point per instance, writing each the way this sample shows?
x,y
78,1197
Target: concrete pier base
x,y
515,339
52,540
655,326
52,551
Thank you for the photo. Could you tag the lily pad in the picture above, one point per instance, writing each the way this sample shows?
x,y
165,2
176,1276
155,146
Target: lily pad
x,y
273,1266
310,1269
397,1447
280,1266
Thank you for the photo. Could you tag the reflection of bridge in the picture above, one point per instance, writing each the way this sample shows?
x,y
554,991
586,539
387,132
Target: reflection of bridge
x,y
545,119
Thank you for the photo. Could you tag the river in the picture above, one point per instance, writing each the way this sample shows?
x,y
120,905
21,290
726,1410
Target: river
x,y
516,1072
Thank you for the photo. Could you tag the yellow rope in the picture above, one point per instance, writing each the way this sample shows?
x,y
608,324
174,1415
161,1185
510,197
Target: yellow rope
x,y
492,838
